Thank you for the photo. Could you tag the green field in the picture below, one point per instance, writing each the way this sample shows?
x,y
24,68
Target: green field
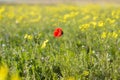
x,y
89,48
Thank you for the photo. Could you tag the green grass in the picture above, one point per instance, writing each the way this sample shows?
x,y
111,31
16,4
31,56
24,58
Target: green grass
x,y
79,54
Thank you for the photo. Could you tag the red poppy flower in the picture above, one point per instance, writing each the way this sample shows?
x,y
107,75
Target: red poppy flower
x,y
58,32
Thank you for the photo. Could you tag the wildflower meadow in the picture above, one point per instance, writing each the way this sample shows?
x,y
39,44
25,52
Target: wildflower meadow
x,y
59,42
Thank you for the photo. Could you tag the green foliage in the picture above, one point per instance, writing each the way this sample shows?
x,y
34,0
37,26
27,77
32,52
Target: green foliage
x,y
89,49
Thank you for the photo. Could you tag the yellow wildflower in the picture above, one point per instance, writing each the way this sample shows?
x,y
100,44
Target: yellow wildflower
x,y
29,37
84,27
86,17
70,15
114,35
44,44
104,35
111,21
66,16
100,23
2,9
3,72
15,77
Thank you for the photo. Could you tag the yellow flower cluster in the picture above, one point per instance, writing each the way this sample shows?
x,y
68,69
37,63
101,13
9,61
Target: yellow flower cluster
x,y
84,27
20,14
44,44
2,9
100,23
15,77
105,35
29,37
111,21
70,15
4,70
93,24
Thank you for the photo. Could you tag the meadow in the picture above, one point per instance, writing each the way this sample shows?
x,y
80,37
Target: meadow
x,y
89,48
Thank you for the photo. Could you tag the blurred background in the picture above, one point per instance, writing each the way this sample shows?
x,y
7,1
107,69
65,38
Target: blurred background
x,y
60,1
